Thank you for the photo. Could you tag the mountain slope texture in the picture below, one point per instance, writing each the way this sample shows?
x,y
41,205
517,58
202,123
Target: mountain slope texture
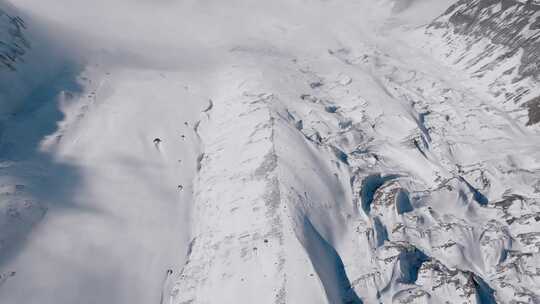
x,y
291,151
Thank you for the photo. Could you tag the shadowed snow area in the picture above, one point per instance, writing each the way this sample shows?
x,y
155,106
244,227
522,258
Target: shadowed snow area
x,y
299,151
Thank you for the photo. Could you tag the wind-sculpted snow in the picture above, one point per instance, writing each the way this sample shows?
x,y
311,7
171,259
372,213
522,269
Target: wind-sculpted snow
x,y
410,206
456,218
407,211
304,152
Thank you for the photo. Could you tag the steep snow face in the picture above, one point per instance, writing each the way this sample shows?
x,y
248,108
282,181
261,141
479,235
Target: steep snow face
x,y
498,43
14,43
285,152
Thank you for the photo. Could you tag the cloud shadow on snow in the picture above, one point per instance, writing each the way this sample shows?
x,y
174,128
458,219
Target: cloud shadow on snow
x,y
33,182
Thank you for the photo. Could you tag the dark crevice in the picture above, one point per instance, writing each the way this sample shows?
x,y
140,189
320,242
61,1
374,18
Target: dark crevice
x,y
485,293
403,203
370,184
410,261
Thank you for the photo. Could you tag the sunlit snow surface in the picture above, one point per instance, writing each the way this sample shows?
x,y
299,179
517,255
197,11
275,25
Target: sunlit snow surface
x,y
264,151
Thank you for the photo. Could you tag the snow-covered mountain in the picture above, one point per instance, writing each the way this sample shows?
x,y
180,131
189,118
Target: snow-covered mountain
x,y
270,152
498,43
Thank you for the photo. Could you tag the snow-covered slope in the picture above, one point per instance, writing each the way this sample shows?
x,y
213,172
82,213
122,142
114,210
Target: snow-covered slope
x,y
283,152
498,43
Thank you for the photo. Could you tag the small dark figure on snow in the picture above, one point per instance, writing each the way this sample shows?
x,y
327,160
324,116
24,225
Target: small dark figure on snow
x,y
5,276
165,285
157,141
180,187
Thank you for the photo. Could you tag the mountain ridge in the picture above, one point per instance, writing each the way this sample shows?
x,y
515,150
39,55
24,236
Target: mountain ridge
x,y
280,153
